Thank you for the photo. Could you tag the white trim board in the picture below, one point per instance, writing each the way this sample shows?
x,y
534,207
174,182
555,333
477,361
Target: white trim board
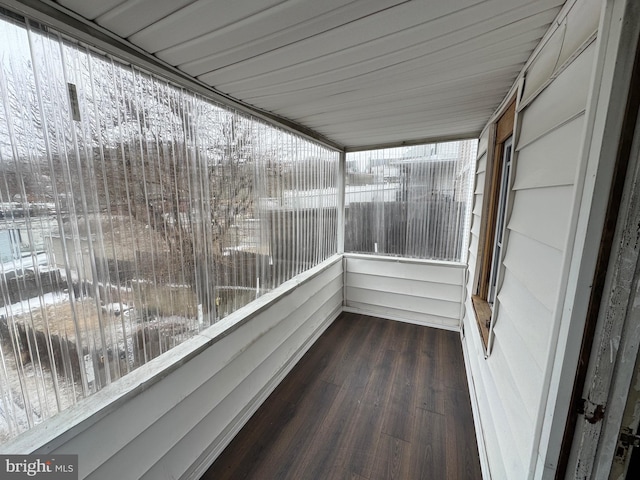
x,y
475,409
395,318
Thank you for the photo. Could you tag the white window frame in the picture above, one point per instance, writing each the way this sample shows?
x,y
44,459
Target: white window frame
x,y
507,155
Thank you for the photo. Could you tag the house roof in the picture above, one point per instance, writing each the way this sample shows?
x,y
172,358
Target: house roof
x,y
358,72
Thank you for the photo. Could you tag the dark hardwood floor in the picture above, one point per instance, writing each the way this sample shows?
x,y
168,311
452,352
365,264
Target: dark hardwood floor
x,y
372,399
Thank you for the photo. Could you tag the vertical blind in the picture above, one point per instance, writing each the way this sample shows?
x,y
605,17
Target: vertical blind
x,y
410,201
133,214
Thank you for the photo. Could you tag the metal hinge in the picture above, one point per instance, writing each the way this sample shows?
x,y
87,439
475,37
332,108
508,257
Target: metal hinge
x,y
626,440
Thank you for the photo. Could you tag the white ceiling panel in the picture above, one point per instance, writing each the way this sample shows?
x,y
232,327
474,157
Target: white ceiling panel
x,y
268,31
395,48
389,30
465,97
434,98
131,17
196,19
91,8
359,72
395,117
406,88
380,70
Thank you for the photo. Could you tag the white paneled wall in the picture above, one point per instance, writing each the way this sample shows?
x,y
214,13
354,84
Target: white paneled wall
x,y
175,426
509,385
476,218
418,291
574,29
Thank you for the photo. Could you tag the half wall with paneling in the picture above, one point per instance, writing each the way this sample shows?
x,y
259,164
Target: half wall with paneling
x,y
424,292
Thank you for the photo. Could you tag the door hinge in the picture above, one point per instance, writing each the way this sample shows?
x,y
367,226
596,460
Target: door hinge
x,y
626,440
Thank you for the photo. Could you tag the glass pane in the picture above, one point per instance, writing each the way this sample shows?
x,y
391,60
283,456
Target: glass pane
x,y
410,201
133,214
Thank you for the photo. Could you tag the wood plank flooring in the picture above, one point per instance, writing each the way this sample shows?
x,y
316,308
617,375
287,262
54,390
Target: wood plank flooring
x,y
372,399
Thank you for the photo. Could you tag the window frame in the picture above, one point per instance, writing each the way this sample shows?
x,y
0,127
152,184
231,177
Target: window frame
x,y
498,241
497,193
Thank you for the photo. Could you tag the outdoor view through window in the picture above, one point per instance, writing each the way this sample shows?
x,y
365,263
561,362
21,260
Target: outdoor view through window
x,y
410,201
135,213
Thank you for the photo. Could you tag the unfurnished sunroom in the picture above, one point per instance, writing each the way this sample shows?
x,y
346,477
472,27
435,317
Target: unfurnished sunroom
x,y
196,194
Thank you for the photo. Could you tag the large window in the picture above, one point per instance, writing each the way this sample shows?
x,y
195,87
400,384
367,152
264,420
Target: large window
x,y
494,223
133,214
410,201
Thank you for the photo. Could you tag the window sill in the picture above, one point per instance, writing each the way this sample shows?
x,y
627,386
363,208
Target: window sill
x,y
483,318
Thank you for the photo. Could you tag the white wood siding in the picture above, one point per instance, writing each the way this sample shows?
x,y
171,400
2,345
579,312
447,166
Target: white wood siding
x,y
573,29
206,400
510,383
476,217
416,291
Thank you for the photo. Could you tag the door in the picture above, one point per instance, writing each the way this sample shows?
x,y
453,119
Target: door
x,y
605,432
626,462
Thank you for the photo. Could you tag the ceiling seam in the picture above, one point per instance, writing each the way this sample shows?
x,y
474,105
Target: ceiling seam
x,y
385,38
306,38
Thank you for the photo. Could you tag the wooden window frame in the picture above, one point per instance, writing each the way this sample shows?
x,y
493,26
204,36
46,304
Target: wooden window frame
x,y
483,310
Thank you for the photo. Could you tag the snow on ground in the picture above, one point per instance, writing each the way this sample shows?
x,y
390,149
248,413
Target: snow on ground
x,y
29,393
33,395
28,305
